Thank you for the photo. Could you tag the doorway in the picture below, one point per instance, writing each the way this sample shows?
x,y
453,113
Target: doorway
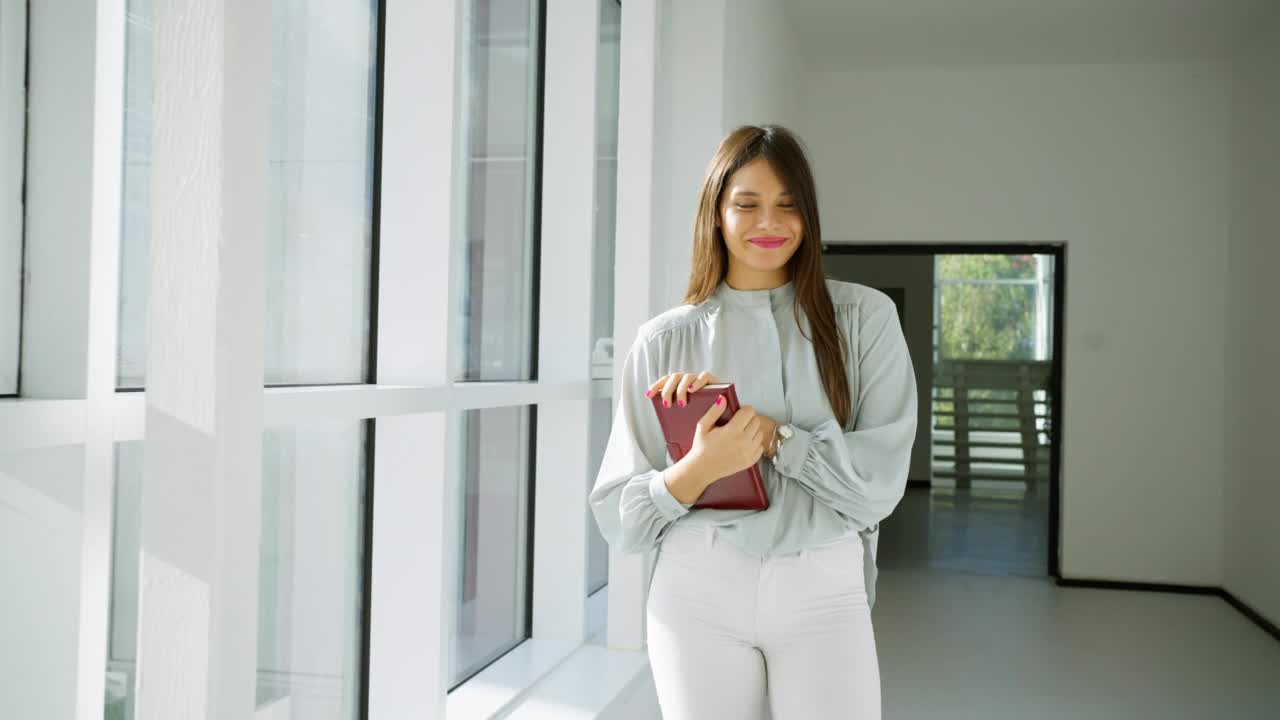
x,y
984,326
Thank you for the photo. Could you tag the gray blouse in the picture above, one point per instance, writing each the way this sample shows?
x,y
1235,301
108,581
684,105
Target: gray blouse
x,y
829,480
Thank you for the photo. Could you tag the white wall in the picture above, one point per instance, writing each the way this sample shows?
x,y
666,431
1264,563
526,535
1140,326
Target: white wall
x,y
1252,535
688,124
1128,165
722,63
762,66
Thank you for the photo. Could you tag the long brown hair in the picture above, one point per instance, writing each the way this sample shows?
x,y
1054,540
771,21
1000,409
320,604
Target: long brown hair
x,y
710,264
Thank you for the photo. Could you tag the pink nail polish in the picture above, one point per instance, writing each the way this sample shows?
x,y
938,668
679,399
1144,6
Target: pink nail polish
x,y
666,403
720,400
648,393
681,403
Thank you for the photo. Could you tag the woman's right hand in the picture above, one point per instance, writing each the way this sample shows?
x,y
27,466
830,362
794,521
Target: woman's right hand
x,y
736,445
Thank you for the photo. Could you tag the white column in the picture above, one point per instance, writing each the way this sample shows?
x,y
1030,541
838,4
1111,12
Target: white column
x,y
634,265
564,335
202,481
73,169
414,504
102,340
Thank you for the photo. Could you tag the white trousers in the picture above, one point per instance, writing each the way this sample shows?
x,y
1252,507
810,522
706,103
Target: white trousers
x,y
734,636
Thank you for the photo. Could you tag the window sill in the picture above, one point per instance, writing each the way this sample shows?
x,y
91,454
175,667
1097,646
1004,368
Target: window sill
x,y
507,681
591,683
541,678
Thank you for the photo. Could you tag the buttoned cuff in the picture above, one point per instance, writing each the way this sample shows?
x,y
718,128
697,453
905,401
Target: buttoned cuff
x,y
790,457
667,504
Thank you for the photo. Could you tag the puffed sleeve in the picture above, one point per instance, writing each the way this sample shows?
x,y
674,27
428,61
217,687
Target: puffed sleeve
x,y
862,474
630,499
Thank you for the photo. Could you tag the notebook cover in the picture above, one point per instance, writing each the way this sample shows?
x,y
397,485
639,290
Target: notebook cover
x,y
743,490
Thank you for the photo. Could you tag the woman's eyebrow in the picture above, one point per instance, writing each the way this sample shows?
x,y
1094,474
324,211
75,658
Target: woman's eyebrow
x,y
753,193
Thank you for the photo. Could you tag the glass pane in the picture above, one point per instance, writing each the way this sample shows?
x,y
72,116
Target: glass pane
x,y
310,576
319,248
1002,310
598,437
122,638
310,605
606,186
135,223
40,515
490,592
13,37
496,270
988,322
321,172
606,216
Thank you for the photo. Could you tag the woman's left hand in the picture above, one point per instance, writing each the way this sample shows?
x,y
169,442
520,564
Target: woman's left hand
x,y
675,386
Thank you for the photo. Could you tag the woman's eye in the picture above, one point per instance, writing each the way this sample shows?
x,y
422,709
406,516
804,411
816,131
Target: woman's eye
x,y
787,205
745,207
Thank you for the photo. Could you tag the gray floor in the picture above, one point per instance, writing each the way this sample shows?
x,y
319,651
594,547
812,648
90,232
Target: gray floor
x,y
968,626
992,529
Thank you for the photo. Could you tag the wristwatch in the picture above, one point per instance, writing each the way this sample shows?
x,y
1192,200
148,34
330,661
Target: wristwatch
x,y
781,434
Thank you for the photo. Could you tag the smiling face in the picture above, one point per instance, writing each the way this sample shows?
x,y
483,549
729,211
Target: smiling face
x,y
761,226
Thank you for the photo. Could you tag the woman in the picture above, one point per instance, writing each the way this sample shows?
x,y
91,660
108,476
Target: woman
x,y
749,610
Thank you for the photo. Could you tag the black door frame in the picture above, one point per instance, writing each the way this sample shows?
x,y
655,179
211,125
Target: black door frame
x,y
1058,251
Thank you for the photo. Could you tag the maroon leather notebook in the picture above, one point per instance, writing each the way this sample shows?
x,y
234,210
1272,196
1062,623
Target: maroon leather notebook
x,y
743,490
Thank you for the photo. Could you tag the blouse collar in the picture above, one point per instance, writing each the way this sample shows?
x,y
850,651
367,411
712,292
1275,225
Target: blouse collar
x,y
768,297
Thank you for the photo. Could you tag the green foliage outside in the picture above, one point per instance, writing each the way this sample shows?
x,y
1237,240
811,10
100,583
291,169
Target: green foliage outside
x,y
988,322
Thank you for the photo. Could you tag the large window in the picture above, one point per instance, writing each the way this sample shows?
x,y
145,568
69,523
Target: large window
x,y
13,103
319,331
321,162
396,569
310,574
497,276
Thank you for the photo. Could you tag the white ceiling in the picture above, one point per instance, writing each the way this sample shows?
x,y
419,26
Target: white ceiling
x,y
848,34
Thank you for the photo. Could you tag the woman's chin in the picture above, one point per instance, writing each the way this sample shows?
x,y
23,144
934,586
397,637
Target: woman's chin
x,y
767,264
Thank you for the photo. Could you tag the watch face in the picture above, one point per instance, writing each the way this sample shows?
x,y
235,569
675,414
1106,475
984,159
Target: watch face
x,y
785,431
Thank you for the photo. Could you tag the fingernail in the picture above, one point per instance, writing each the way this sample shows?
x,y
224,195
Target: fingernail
x,y
681,403
666,403
648,393
692,389
720,400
